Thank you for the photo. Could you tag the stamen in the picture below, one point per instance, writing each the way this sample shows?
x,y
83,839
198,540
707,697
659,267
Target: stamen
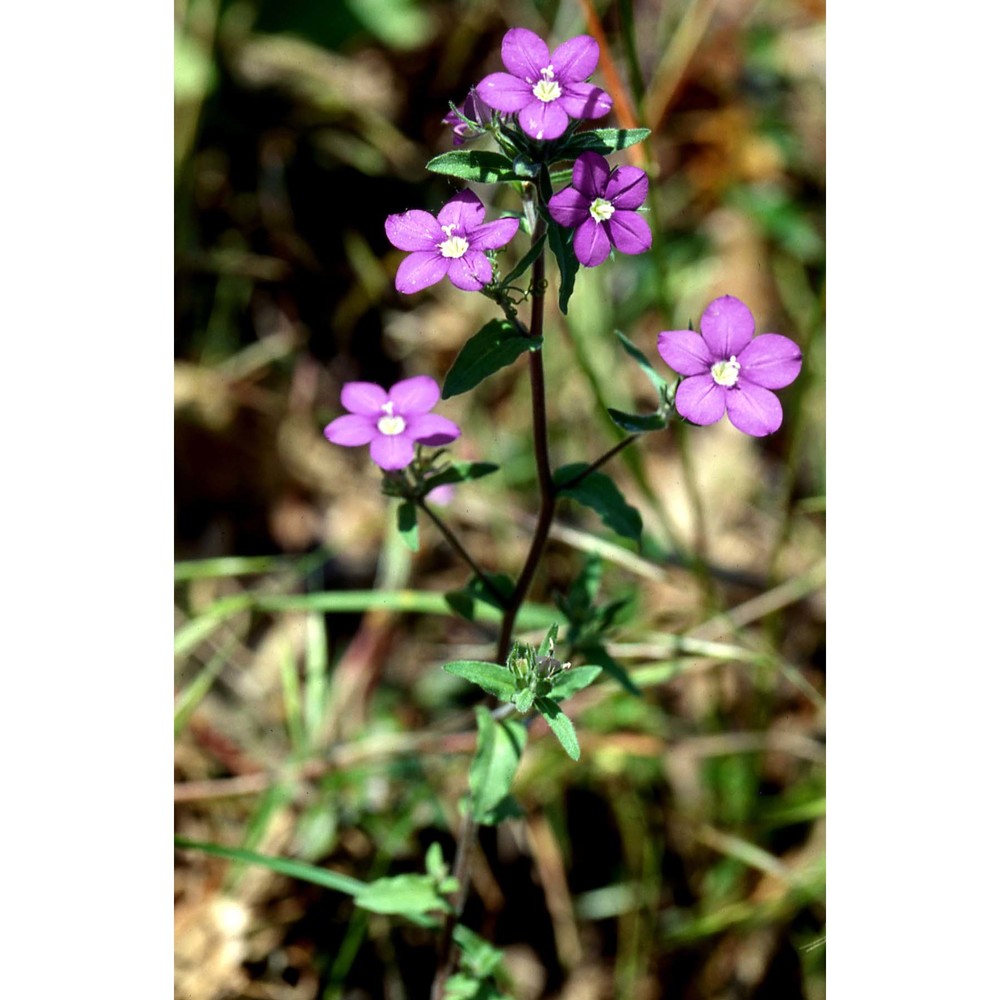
x,y
390,424
726,373
601,210
546,89
453,247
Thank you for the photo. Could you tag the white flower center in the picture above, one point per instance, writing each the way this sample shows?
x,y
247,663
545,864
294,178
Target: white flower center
x,y
453,246
547,88
726,372
392,423
601,210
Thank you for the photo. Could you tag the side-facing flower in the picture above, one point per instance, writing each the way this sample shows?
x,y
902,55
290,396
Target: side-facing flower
x,y
451,244
600,205
476,110
544,90
729,370
391,422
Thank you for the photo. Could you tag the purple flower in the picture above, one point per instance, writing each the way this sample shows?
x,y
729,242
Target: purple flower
x,y
599,206
452,244
544,90
391,421
476,110
729,370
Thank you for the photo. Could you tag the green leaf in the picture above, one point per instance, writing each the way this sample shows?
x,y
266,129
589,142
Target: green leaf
x,y
460,472
283,866
495,346
600,494
561,241
481,165
561,176
524,263
561,725
406,522
638,423
597,654
412,896
605,140
499,746
524,699
478,956
491,677
570,681
434,862
658,381
463,601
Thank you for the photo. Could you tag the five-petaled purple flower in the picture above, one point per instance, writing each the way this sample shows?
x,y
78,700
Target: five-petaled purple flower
x,y
451,244
545,90
729,370
600,207
476,110
391,421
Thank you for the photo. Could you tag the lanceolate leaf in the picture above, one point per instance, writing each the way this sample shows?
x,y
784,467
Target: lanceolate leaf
x,y
463,602
561,725
600,494
480,165
460,472
494,347
491,677
526,261
638,423
658,381
411,896
406,521
498,749
605,140
570,681
561,241
599,655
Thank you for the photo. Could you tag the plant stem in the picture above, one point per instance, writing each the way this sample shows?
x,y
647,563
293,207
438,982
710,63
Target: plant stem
x,y
462,552
447,954
546,486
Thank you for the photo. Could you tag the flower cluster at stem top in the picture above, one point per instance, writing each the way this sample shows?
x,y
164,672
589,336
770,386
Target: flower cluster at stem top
x,y
725,369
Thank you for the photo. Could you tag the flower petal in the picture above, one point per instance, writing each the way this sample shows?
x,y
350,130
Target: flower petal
x,y
350,430
420,270
470,271
366,398
627,187
770,360
700,400
575,59
685,351
752,409
505,92
591,244
391,452
727,326
569,207
414,396
524,54
590,175
584,100
465,211
543,121
493,235
630,232
430,428
413,230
